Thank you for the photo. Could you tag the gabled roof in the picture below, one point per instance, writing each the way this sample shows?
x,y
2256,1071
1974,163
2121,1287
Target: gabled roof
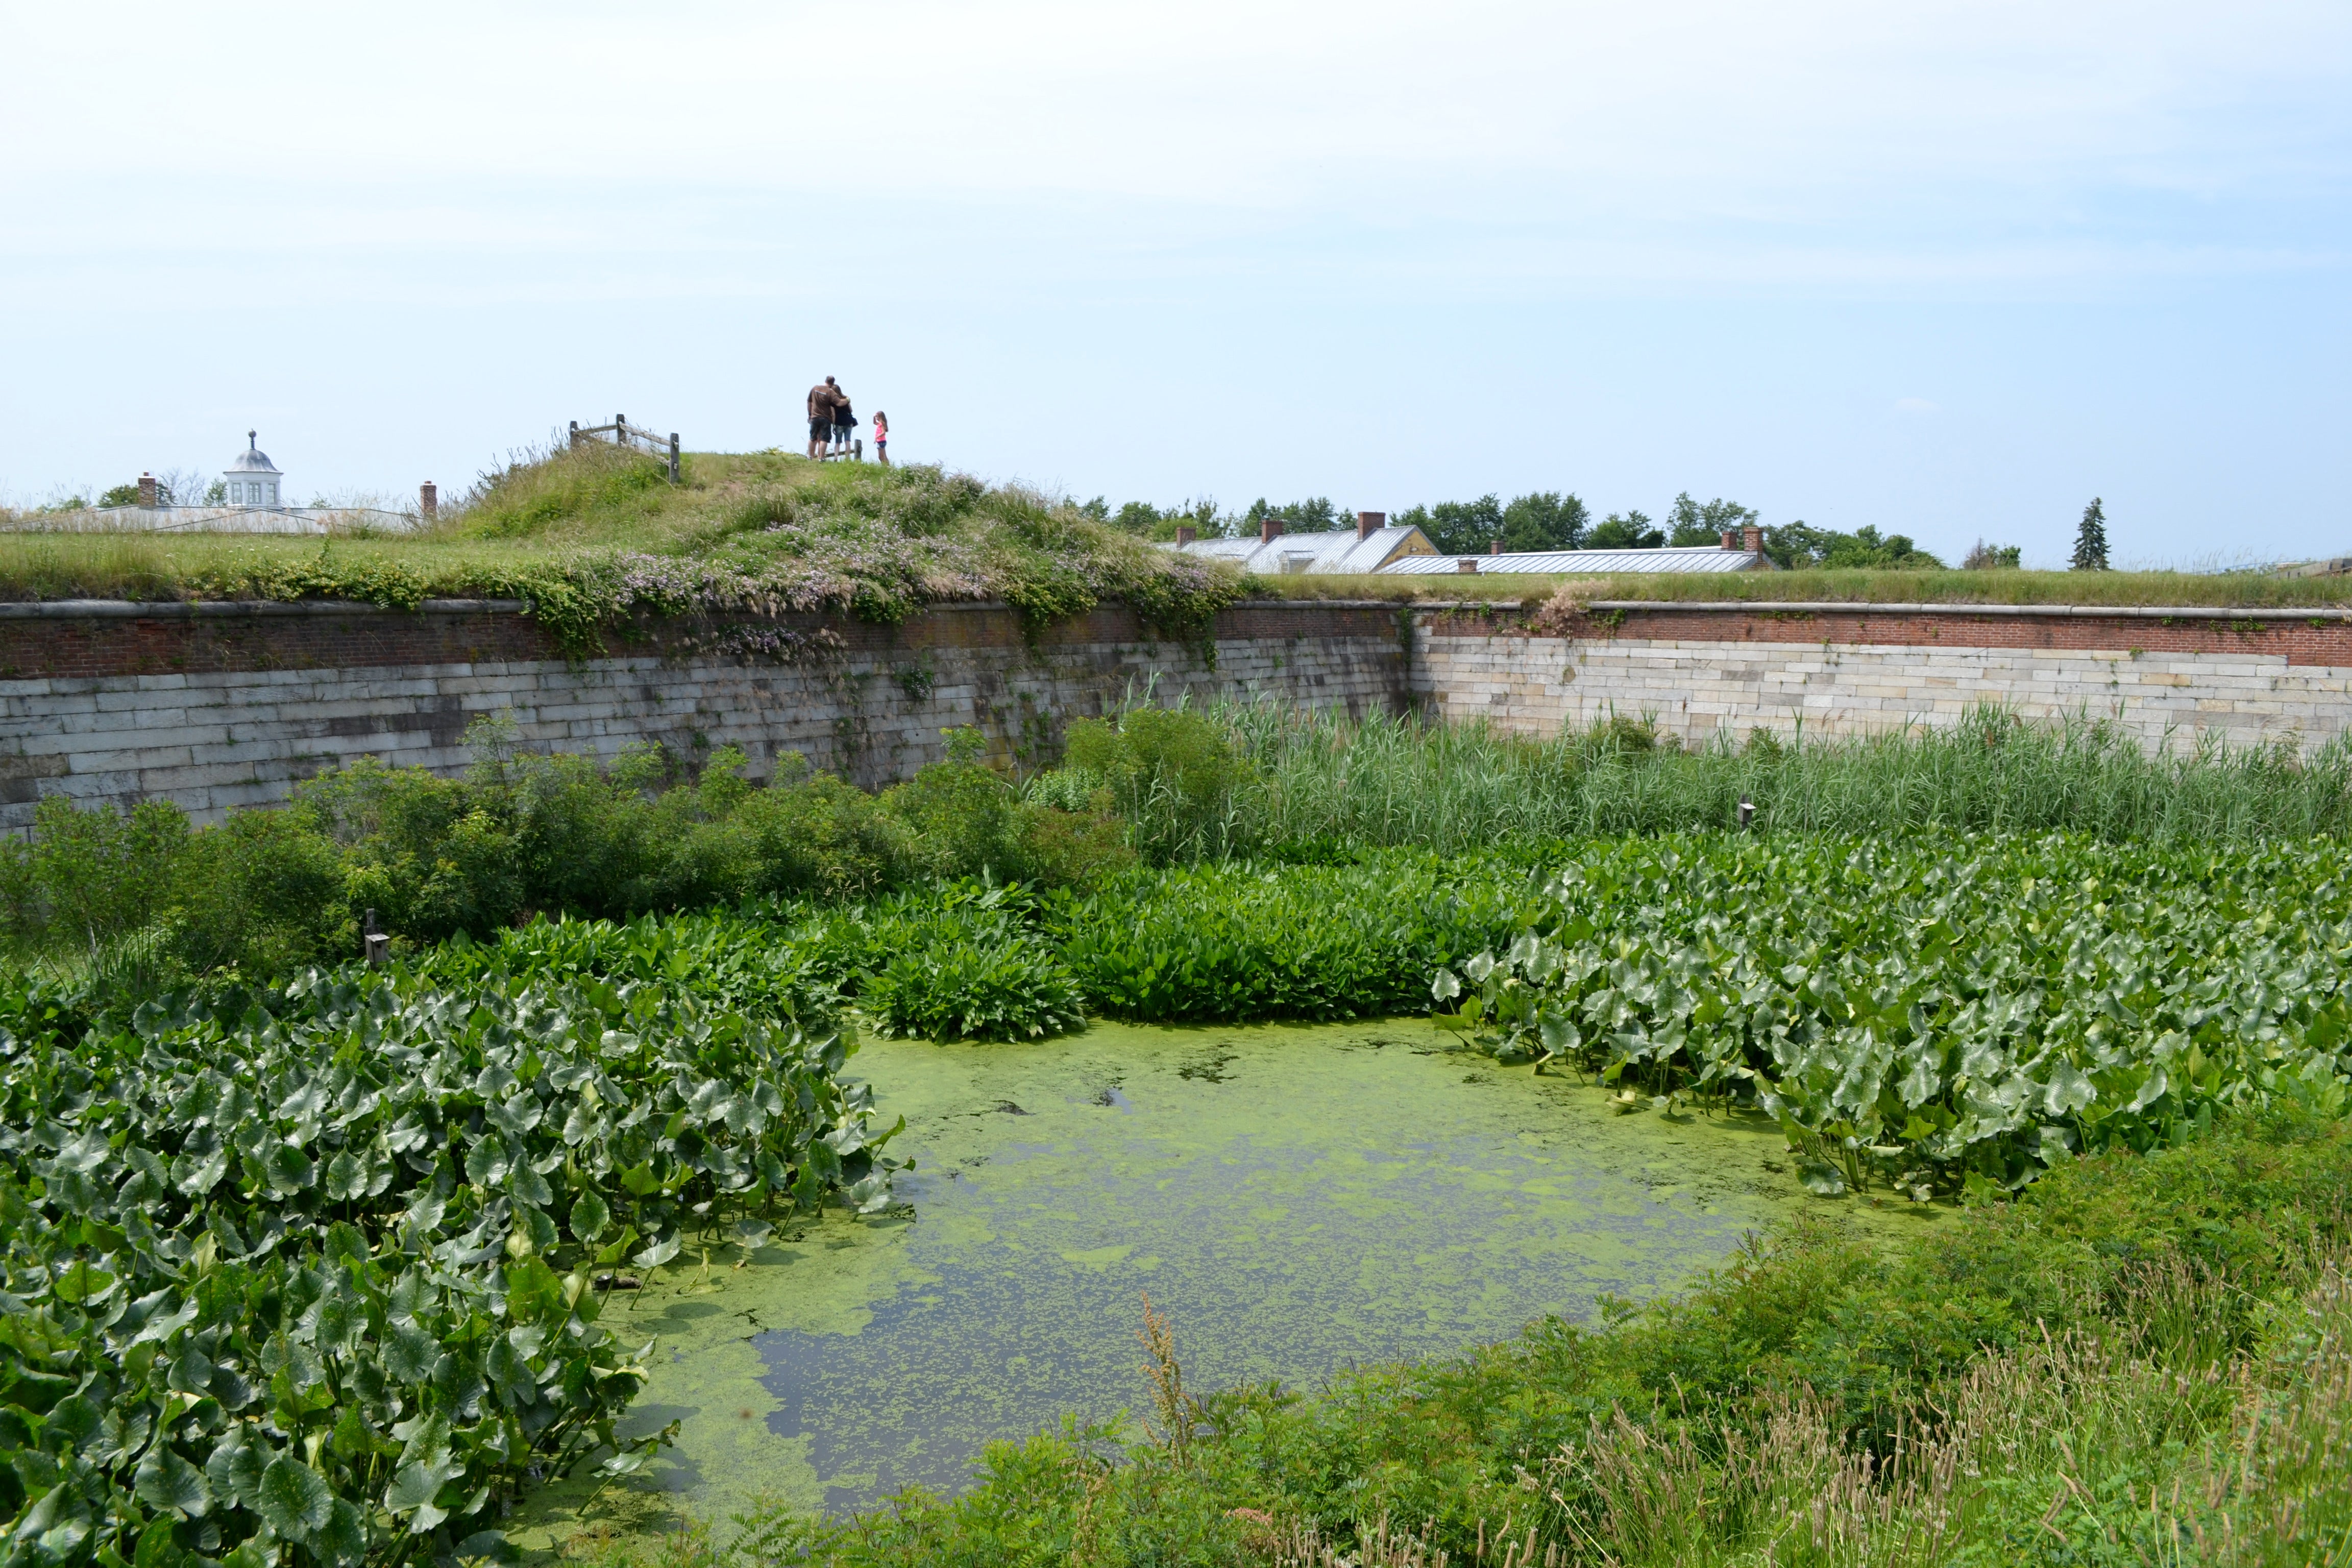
x,y
1339,551
1670,558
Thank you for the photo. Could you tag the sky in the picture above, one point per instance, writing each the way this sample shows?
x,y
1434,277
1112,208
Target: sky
x,y
1950,270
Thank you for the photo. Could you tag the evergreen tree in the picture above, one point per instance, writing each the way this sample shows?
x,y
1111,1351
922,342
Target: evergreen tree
x,y
2091,539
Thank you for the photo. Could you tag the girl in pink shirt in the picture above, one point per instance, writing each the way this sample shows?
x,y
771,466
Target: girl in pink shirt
x,y
882,436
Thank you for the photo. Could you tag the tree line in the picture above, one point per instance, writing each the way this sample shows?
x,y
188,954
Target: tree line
x,y
1554,520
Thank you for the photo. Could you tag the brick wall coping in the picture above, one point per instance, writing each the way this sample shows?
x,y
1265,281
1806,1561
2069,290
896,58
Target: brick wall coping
x,y
166,609
1862,607
145,609
183,609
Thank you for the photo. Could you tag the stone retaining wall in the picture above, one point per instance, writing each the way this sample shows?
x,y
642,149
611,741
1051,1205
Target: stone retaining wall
x,y
222,706
216,706
2248,676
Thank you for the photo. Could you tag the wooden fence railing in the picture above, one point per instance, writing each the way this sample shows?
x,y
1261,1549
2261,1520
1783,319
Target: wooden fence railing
x,y
621,433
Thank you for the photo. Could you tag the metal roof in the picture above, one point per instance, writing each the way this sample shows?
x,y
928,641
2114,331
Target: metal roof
x,y
1670,558
1339,551
253,459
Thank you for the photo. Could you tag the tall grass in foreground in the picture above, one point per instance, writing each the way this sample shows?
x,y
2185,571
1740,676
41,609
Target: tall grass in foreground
x,y
1321,778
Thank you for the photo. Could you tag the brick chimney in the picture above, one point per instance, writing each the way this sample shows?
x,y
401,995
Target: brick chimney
x,y
428,500
1495,548
1467,564
1731,539
1269,530
147,495
1368,523
1752,540
1185,535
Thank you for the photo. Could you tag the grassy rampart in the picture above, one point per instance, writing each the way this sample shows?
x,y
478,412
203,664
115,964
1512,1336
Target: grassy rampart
x,y
588,535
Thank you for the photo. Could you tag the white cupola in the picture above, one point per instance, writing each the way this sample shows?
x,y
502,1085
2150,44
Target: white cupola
x,y
252,478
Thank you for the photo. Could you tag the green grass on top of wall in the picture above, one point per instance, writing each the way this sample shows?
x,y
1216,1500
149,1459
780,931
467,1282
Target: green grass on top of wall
x,y
590,533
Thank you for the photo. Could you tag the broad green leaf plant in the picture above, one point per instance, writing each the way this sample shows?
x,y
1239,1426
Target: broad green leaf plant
x,y
1930,1021
314,1276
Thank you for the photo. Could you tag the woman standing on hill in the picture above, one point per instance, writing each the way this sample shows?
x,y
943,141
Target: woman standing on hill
x,y
844,425
882,437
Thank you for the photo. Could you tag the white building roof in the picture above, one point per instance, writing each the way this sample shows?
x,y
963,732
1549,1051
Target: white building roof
x,y
1670,558
1339,551
253,459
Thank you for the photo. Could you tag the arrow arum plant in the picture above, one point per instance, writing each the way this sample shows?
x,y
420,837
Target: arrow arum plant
x,y
1932,1021
313,1276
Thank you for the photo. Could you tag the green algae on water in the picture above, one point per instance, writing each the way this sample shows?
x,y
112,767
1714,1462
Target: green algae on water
x,y
1295,1200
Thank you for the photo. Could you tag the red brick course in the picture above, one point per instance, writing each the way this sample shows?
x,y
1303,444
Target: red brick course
x,y
91,646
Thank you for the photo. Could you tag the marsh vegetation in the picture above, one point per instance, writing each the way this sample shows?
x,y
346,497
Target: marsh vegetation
x,y
305,1261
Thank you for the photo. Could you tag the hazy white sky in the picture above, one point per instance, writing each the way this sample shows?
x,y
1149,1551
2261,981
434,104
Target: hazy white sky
x,y
1947,269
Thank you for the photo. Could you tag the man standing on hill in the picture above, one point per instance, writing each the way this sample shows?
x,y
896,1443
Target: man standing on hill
x,y
822,399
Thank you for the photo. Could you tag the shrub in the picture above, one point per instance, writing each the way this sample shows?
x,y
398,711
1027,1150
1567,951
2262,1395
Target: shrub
x,y
88,877
1237,943
974,984
1174,775
262,893
819,835
961,818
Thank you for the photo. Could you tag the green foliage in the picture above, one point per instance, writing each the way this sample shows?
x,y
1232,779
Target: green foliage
x,y
965,819
1464,788
1983,557
1542,520
1230,943
1174,775
2091,539
1927,1023
1456,527
976,980
1795,546
1314,515
1692,524
88,877
1630,531
121,495
311,1276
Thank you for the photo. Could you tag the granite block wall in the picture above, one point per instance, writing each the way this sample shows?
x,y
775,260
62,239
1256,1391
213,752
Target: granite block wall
x,y
219,710
2246,679
222,706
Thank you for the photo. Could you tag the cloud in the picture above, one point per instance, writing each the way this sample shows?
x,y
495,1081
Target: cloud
x,y
1699,144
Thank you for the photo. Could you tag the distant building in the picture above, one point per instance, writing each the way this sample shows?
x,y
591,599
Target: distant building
x,y
1370,546
254,490
253,479
1728,557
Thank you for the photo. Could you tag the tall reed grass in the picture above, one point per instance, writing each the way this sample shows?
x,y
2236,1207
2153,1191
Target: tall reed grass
x,y
1321,778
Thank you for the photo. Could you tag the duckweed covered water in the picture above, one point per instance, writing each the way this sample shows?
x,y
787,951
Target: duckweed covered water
x,y
1295,1200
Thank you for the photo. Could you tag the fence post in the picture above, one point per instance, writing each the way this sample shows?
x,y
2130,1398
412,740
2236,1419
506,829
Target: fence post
x,y
620,429
575,432
673,456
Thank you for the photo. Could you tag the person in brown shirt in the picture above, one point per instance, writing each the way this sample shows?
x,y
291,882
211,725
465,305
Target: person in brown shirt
x,y
822,399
